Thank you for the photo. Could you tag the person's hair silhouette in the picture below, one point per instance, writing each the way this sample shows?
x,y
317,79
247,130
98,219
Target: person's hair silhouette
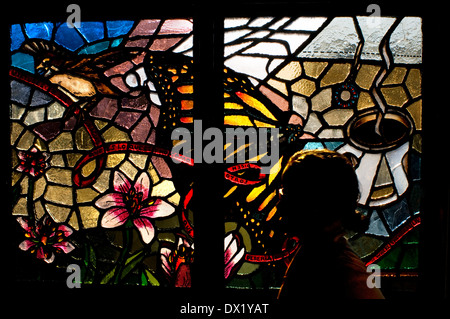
x,y
318,201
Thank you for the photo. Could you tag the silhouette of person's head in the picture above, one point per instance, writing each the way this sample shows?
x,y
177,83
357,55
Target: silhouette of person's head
x,y
319,191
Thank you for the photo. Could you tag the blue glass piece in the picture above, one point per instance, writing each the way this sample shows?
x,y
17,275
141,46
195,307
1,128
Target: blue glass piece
x,y
118,28
95,48
333,145
39,30
17,37
376,226
116,42
92,31
313,146
396,214
23,61
20,92
68,37
40,98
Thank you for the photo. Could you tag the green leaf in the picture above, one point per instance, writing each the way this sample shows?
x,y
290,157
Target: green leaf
x,y
109,276
132,262
147,277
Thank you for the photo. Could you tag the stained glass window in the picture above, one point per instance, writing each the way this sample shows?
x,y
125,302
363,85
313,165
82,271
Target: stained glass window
x,y
93,178
349,84
97,177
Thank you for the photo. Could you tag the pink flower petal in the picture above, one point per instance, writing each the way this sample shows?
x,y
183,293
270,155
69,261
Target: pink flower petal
x,y
160,208
41,255
230,251
233,262
121,183
23,223
142,185
165,253
110,200
66,230
115,217
22,155
65,246
145,228
26,244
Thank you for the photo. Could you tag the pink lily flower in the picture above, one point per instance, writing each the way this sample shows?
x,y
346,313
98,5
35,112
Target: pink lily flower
x,y
132,202
233,254
33,162
176,261
45,238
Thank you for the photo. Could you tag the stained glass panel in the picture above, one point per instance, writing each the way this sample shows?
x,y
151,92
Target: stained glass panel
x,y
349,84
94,181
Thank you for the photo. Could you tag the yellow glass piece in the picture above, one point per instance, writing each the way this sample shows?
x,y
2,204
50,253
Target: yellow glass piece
x,y
269,217
336,74
20,209
314,69
102,182
230,191
73,222
415,110
85,195
15,131
267,200
254,103
414,82
100,124
255,193
291,71
163,189
83,140
58,213
263,124
39,187
113,160
59,195
62,142
72,158
396,76
304,87
59,176
26,141
138,159
364,101
237,120
88,168
39,210
366,75
128,169
89,216
275,170
40,145
186,89
113,134
338,117
280,86
382,192
395,96
153,175
174,199
233,106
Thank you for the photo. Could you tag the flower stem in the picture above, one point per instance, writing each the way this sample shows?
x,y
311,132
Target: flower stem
x,y
127,241
30,206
